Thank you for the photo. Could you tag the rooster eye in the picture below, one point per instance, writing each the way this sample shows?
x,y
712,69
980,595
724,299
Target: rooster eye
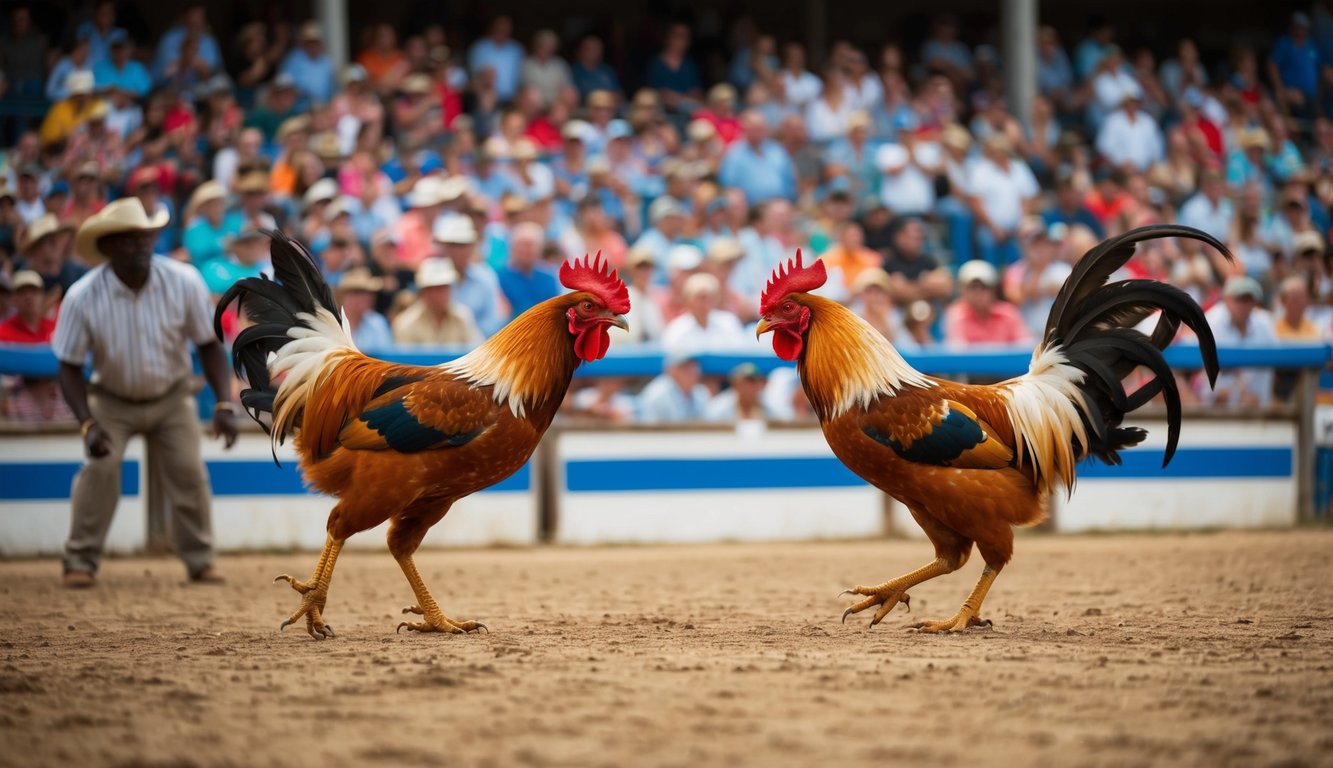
x,y
586,306
788,308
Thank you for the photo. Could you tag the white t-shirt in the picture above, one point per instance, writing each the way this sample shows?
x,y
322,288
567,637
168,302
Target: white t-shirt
x,y
1138,142
723,334
905,188
1001,192
800,89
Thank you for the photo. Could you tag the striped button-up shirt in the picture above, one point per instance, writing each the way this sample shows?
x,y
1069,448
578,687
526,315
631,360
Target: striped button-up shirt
x,y
140,341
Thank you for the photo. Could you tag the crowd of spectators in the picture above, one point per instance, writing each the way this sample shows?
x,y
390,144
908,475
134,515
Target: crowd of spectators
x,y
441,189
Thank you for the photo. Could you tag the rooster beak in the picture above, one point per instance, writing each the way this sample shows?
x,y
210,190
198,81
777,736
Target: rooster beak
x,y
763,327
618,321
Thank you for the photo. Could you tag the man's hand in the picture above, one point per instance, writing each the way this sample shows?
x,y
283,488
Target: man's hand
x,y
96,442
224,426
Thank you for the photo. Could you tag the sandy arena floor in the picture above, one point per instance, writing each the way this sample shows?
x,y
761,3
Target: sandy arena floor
x,y
1212,649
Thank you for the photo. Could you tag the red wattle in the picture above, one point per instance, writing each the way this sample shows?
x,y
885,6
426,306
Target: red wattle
x,y
592,343
788,345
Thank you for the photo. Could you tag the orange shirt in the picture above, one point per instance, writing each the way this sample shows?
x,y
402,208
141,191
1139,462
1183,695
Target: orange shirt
x,y
852,263
378,64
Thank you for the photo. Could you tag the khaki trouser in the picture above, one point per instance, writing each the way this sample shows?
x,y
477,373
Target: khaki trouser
x,y
170,424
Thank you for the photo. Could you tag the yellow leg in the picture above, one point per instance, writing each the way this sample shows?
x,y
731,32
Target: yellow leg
x,y
891,593
426,607
967,615
315,591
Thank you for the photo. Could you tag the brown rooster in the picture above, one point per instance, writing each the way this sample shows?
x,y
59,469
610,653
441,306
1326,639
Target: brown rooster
x,y
401,442
971,461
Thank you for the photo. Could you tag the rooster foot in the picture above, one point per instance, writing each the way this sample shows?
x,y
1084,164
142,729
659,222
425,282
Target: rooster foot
x,y
312,608
299,586
958,623
885,599
438,622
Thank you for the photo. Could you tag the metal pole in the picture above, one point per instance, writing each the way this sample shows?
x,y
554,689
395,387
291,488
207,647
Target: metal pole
x,y
1307,386
816,34
332,15
1020,56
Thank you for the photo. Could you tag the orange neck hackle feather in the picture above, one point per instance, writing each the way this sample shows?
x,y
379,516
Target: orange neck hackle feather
x,y
846,362
530,361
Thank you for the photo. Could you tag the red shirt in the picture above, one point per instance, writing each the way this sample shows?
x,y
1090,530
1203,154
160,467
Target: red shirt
x,y
15,331
728,128
964,328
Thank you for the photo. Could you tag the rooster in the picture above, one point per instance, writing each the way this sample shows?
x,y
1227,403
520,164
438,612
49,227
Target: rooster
x,y
971,461
401,442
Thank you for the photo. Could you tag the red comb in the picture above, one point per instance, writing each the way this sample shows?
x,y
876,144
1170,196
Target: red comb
x,y
791,278
592,275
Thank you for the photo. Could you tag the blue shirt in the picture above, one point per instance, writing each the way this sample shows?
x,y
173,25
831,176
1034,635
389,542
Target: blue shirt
x,y
133,78
664,78
204,241
314,77
1087,55
527,291
1056,74
169,50
599,78
506,59
478,289
663,401
762,175
99,49
373,334
55,83
1298,66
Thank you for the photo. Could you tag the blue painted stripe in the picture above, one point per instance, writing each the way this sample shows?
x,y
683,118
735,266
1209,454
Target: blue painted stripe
x,y
706,474
255,477
51,481
621,475
1249,463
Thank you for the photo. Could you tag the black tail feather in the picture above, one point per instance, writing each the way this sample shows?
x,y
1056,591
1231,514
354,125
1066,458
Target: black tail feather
x,y
272,307
1094,321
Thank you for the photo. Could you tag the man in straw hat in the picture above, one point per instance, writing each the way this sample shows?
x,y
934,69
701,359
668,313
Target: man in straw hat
x,y
41,251
205,227
136,316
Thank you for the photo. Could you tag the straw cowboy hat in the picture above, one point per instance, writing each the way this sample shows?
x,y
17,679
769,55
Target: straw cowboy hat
x,y
123,215
42,227
203,195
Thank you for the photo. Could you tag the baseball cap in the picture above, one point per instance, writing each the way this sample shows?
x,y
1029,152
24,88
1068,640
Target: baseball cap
x,y
663,207
456,230
618,129
26,278
1243,285
683,258
435,272
745,371
977,271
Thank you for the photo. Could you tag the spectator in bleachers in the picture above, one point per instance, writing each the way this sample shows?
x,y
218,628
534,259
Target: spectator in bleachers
x,y
544,70
41,249
23,54
499,53
310,68
1091,50
246,255
847,258
1296,322
704,326
944,52
979,317
645,313
1183,72
523,280
231,161
1245,162
31,398
743,400
477,288
276,107
677,395
204,228
720,260
1129,137
356,294
800,86
1209,209
1068,207
1240,320
1291,218
759,166
871,301
1055,75
119,71
99,30
828,115
1003,190
590,72
673,73
77,59
252,190
667,220
1031,284
86,197
909,168
68,114
190,33
1295,69
435,319
914,274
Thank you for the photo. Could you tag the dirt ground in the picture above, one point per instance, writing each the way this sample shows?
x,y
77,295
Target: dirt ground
x,y
1211,649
